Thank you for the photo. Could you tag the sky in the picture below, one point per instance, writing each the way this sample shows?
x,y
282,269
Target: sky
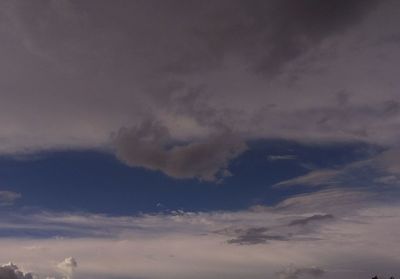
x,y
188,139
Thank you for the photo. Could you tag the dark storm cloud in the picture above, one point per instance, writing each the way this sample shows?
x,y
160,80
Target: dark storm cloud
x,y
254,236
281,31
151,146
311,219
179,36
269,34
11,271
201,68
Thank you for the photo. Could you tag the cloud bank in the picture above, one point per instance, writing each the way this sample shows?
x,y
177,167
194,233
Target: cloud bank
x,y
298,70
296,238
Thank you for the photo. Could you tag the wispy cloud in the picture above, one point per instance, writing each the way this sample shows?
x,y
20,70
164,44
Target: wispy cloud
x,y
379,169
8,197
313,178
313,218
182,244
281,157
293,272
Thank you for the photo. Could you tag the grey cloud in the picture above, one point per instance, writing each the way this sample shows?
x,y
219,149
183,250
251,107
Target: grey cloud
x,y
8,197
278,31
293,272
91,67
151,146
11,271
299,26
311,219
281,157
252,236
294,230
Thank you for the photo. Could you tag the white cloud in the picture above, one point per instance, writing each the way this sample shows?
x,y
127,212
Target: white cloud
x,y
313,178
381,168
196,245
68,266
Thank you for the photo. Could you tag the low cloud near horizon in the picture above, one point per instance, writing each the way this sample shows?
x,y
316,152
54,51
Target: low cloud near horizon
x,y
197,245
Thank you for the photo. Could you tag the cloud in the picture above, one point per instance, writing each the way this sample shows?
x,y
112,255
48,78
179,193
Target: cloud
x,y
297,27
68,266
382,168
261,69
281,157
263,235
8,197
327,200
178,245
151,146
255,236
313,178
255,222
11,271
313,218
292,272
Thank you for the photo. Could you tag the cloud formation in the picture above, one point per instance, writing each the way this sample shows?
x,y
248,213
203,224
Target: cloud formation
x,y
255,236
151,146
298,70
382,168
313,178
178,245
67,267
313,218
8,197
11,271
281,157
293,272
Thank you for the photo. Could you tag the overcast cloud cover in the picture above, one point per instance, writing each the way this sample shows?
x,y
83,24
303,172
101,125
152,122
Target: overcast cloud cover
x,y
74,73
187,88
